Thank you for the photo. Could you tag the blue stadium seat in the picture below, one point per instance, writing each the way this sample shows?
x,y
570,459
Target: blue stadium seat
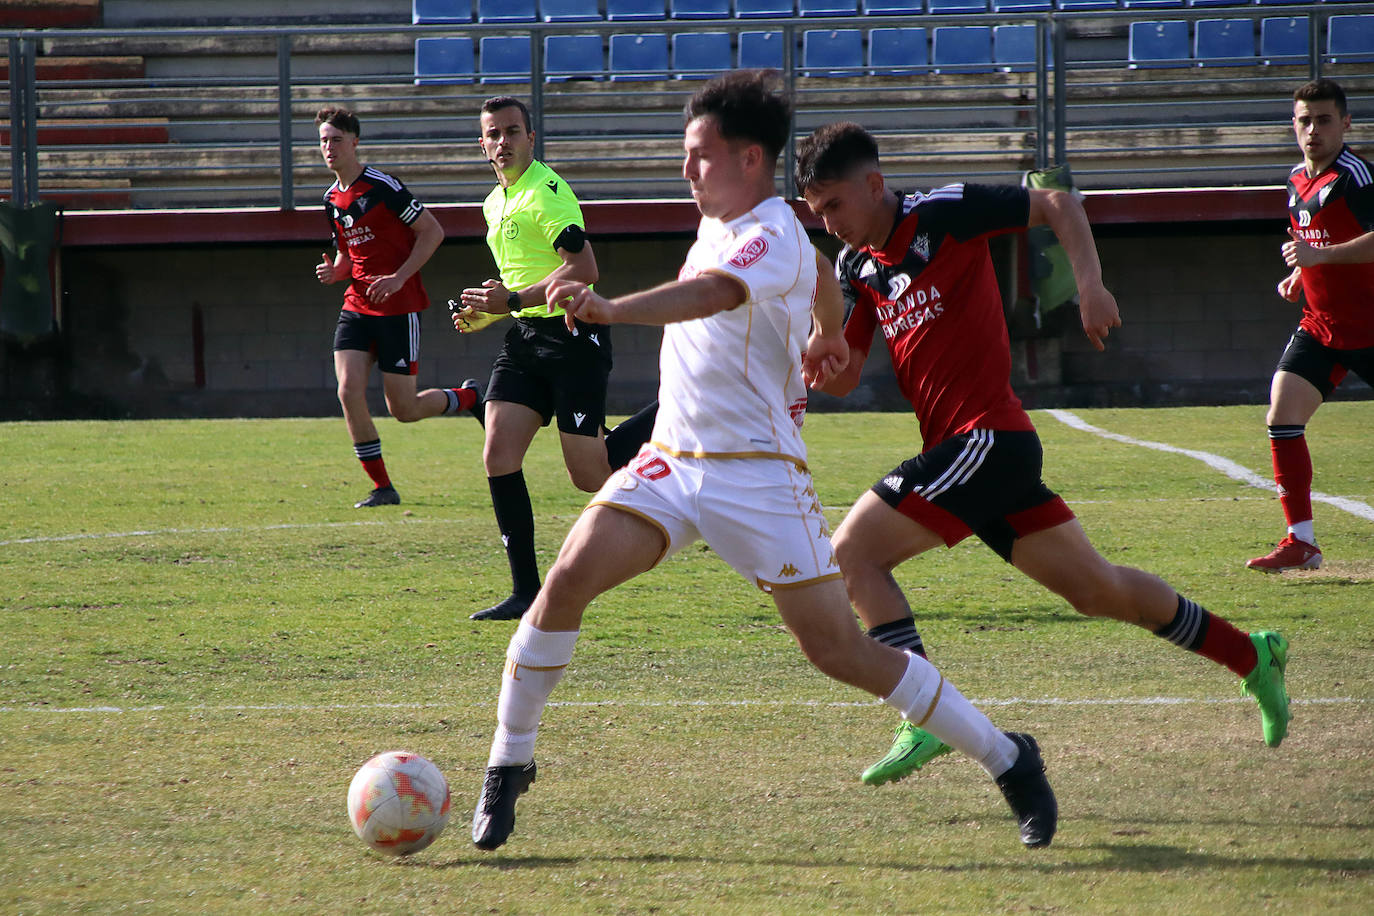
x,y
1283,2
961,48
838,52
570,10
1284,40
505,10
1079,6
699,55
1021,6
635,10
764,9
639,57
898,51
1013,47
760,50
1221,2
893,7
443,60
827,7
956,7
1224,42
1151,4
573,57
1159,44
699,9
440,12
1350,39
504,58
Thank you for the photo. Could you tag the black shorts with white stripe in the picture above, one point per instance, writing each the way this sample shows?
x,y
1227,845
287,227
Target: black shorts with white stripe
x,y
393,339
984,482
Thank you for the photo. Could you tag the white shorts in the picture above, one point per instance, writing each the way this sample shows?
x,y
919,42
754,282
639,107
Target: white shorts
x,y
761,515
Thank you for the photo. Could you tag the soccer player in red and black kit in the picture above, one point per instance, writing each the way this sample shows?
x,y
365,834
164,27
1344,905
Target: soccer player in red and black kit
x,y
1331,207
382,237
917,267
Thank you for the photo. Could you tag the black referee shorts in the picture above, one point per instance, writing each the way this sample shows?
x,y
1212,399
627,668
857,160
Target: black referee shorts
x,y
985,482
1324,366
554,372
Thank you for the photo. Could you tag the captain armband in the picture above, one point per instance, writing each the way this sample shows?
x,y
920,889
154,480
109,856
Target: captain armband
x,y
571,239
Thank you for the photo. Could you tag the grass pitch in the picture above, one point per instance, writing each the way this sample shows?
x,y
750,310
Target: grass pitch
x,y
202,641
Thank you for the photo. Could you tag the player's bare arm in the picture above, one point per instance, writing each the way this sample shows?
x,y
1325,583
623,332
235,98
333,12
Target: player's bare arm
x,y
827,353
429,235
493,296
1297,253
680,300
334,269
1063,213
1290,287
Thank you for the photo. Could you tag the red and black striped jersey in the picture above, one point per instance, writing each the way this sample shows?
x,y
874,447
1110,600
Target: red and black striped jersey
x,y
1335,206
371,220
933,291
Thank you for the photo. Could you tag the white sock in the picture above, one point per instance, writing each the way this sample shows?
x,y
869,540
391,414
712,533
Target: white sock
x,y
535,662
1304,531
927,700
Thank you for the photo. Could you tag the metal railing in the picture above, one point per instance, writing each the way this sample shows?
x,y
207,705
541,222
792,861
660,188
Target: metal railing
x,y
224,117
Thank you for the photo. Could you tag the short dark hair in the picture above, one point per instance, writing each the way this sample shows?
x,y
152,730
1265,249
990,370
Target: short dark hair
x,y
747,105
832,152
1322,90
496,103
341,118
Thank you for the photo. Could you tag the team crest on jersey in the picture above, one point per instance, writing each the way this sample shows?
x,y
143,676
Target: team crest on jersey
x,y
345,219
921,245
749,252
510,230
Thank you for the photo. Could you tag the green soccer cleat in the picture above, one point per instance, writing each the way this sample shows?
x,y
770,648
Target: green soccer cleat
x,y
912,748
1265,684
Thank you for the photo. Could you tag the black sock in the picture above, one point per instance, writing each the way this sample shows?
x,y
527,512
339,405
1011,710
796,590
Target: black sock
x,y
510,499
623,442
900,634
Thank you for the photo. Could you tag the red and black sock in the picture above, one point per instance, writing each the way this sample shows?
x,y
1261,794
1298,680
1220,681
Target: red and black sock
x,y
1198,630
1292,471
370,454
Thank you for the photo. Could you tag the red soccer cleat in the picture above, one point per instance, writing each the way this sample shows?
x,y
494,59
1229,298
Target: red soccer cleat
x,y
1291,553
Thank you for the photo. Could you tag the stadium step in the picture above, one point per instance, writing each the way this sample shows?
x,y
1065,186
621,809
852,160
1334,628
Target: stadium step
x,y
66,131
49,14
82,68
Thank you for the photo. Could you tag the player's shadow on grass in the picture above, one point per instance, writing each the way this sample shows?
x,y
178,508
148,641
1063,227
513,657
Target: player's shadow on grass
x,y
1155,858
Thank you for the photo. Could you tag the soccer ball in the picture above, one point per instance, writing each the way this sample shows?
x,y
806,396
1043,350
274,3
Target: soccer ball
x,y
398,803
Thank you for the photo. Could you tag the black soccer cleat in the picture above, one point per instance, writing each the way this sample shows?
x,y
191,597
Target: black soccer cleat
x,y
382,496
1028,792
494,818
513,608
479,409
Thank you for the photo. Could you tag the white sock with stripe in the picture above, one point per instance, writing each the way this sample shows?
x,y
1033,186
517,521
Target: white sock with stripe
x,y
535,662
927,700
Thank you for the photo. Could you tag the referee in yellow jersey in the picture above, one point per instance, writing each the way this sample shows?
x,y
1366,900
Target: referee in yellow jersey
x,y
544,371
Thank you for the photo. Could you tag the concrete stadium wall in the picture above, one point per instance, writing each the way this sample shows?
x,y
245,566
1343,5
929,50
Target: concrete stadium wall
x,y
247,330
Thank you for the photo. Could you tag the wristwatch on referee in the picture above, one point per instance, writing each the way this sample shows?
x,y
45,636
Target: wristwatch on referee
x,y
513,302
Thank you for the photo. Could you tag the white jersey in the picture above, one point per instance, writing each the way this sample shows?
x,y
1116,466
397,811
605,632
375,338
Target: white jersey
x,y
731,384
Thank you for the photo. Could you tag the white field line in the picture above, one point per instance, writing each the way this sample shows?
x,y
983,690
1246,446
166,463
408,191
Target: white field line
x,y
1216,462
655,704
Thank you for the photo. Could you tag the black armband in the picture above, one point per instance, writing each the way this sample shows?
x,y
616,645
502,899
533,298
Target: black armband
x,y
571,239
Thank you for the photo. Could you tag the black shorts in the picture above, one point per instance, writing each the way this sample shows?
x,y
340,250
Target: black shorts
x,y
548,369
393,339
1324,366
985,482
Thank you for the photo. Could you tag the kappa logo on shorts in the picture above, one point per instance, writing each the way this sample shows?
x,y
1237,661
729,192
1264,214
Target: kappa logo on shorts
x,y
789,570
749,252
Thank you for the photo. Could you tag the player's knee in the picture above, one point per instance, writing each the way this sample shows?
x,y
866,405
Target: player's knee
x,y
588,480
831,654
406,412
1100,594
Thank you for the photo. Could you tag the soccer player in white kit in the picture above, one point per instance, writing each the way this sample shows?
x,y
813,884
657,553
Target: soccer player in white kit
x,y
727,464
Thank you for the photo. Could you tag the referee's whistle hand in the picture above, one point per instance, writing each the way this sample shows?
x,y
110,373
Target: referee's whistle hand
x,y
491,296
